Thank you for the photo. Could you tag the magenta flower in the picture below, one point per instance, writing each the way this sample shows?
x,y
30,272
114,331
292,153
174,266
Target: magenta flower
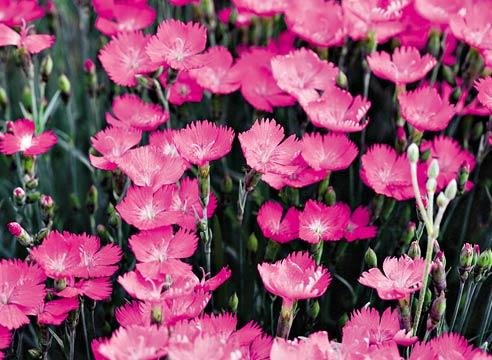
x,y
447,346
202,141
185,89
215,75
294,278
22,291
403,67
55,312
472,25
263,8
125,17
425,110
124,57
302,74
33,44
438,11
112,143
402,276
147,166
95,289
484,88
275,225
132,112
315,346
21,138
386,172
358,226
328,152
337,110
321,222
178,45
15,12
242,17
377,10
5,340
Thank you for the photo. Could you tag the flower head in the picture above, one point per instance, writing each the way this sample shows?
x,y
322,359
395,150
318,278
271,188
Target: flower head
x,y
33,44
15,12
358,226
403,67
315,346
402,276
424,109
263,8
274,225
447,346
294,278
328,152
185,89
55,312
484,87
438,11
472,25
22,138
125,18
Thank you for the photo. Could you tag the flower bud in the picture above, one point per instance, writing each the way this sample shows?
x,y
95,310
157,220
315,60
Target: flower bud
x,y
313,310
463,176
33,197
92,200
46,68
19,196
330,196
114,218
32,183
252,243
227,185
408,234
370,259
233,302
431,185
389,206
455,95
427,299
438,273
64,87
47,207
26,98
371,42
342,80
425,155
413,153
466,261
434,43
60,284
451,190
74,201
437,311
483,266
156,315
42,233
17,231
89,66
4,99
448,75
442,201
433,171
414,250
477,131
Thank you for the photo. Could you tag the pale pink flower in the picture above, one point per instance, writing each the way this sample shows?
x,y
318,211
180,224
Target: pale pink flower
x,y
321,222
125,18
178,45
328,152
358,226
21,137
472,25
295,278
438,11
185,89
302,74
262,7
403,67
147,166
112,143
187,306
425,110
402,277
315,346
124,57
33,44
15,12
447,346
337,110
386,172
265,148
55,312
202,141
105,7
484,88
132,112
277,226
21,293
215,75
134,342
319,22
377,10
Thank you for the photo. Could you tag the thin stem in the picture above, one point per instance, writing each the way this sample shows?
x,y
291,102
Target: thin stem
x,y
418,199
84,327
457,305
469,297
285,320
485,320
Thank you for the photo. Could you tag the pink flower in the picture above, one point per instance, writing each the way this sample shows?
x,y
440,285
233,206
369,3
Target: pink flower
x,y
416,28
302,74
15,12
367,325
447,346
202,141
164,141
315,346
56,311
125,18
401,277
21,293
337,110
112,143
160,250
386,172
274,225
295,278
265,148
178,44
147,166
134,342
321,222
264,8
145,209
124,57
132,112
358,226
184,89
241,17
438,11
328,152
425,110
21,138
95,289
403,67
33,44
319,22
450,157
5,339
377,10
215,75
484,88
183,2
283,44
472,25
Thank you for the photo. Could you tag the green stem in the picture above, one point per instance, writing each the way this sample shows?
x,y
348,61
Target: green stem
x,y
285,319
84,327
485,320
457,305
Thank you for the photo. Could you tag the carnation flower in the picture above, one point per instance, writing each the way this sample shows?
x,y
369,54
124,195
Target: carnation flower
x,y
328,152
321,222
274,225
376,10
184,89
402,276
124,58
33,44
147,166
416,29
484,88
472,25
315,346
178,45
337,110
132,112
241,17
164,141
96,289
112,143
438,11
21,138
447,346
294,278
425,110
386,172
202,141
263,8
358,226
55,312
302,74
403,67
126,18
21,293
15,12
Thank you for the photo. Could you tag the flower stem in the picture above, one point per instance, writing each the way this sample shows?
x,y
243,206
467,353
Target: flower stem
x,y
84,327
457,305
285,319
485,320
205,232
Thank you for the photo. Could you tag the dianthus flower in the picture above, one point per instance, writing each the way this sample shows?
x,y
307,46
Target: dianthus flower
x,y
21,137
277,226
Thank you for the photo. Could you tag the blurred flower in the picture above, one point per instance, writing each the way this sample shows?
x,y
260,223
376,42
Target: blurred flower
x,y
240,17
15,12
21,138
315,346
275,225
184,89
262,7
328,152
124,17
446,346
484,88
33,44
438,11
358,226
472,25
321,222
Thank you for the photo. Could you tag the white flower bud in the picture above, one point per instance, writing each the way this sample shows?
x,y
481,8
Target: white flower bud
x,y
451,190
433,171
431,185
442,200
413,153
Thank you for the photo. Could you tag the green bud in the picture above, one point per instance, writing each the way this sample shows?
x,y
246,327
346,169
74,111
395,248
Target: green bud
x,y
330,196
342,80
370,259
252,243
60,284
483,266
437,311
448,75
371,42
46,68
451,190
33,197
26,98
433,171
408,234
434,43
92,199
477,130
4,99
313,310
104,234
425,155
431,185
233,302
442,201
414,250
64,86
413,153
427,299
389,206
455,95
156,315
42,233
32,183
463,175
19,196
466,261
74,201
342,320
227,185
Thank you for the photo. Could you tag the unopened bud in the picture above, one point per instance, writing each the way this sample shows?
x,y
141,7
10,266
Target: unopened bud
x,y
104,234
425,155
371,42
46,68
252,243
342,80
92,199
33,197
448,75
437,311
330,196
389,206
156,315
47,207
42,233
4,99
409,234
451,190
233,302
114,218
455,95
74,201
370,259
414,250
442,201
89,66
466,261
484,265
427,299
19,196
227,185
431,185
413,153
438,273
313,310
433,171
434,43
64,87
463,176
17,231
26,98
